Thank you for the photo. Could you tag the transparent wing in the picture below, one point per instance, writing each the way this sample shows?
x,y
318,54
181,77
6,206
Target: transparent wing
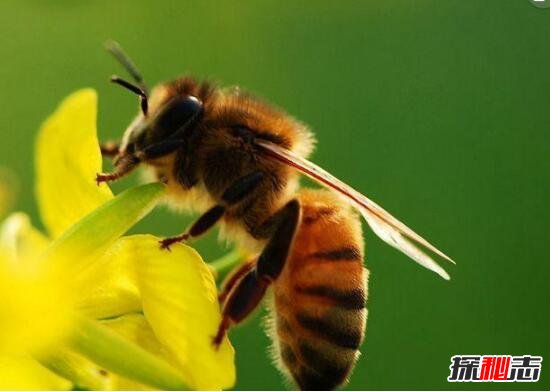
x,y
388,228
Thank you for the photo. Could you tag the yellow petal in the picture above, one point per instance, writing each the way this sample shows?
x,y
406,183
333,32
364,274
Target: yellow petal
x,y
135,328
36,310
21,239
180,303
67,159
109,287
24,373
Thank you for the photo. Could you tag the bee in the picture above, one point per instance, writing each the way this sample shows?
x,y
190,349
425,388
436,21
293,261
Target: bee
x,y
236,160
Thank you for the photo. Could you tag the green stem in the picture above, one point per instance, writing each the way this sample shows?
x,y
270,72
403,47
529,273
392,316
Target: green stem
x,y
107,349
83,373
225,264
86,240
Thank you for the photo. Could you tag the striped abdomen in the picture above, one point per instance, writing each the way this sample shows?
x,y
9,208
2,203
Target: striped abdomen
x,y
319,298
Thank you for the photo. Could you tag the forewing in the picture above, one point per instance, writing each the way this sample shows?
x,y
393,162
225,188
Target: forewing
x,y
384,225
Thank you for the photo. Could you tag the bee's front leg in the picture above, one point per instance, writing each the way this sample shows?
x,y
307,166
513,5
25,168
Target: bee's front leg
x,y
111,150
123,165
125,162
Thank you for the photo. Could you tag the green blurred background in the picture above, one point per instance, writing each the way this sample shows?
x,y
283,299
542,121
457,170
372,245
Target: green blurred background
x,y
436,109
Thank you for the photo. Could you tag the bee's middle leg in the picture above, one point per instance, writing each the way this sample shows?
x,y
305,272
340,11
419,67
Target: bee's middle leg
x,y
246,293
201,226
235,193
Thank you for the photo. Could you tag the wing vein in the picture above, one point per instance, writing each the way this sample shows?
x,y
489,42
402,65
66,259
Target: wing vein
x,y
386,226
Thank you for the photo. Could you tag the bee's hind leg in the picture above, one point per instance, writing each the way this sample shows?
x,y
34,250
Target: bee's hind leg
x,y
233,278
249,290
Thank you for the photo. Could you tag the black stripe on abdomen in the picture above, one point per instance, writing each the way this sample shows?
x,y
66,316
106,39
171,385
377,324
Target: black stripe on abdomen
x,y
312,217
347,299
319,371
287,355
348,253
332,330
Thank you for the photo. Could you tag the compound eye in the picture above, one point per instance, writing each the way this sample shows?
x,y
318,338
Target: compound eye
x,y
179,114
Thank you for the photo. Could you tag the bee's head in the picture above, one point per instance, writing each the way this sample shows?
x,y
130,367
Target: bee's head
x,y
166,118
161,126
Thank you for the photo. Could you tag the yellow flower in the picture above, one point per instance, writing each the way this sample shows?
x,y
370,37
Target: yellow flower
x,y
91,309
32,290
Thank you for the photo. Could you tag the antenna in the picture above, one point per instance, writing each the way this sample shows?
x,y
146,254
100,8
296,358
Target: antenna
x,y
116,50
141,89
135,89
